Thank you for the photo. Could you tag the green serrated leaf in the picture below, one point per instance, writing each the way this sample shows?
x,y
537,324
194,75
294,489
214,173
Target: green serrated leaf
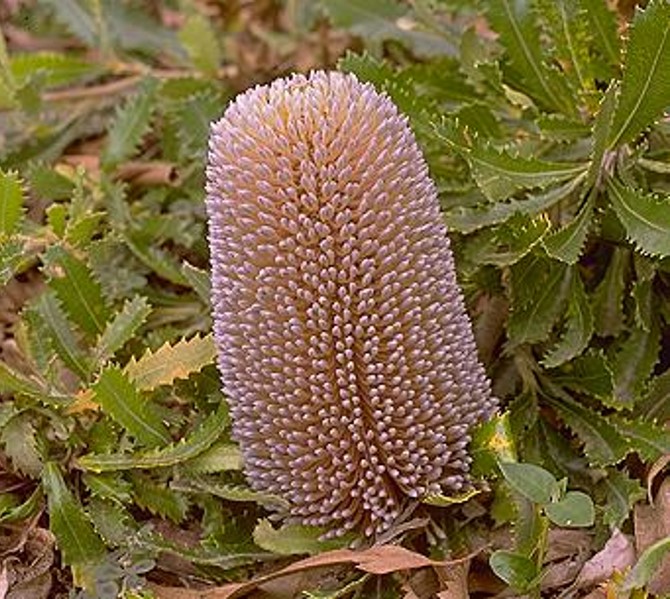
x,y
230,492
603,26
76,17
622,493
575,510
603,444
534,312
378,20
162,263
655,404
506,244
130,124
59,68
647,565
467,220
80,294
18,436
108,485
112,522
492,442
186,449
76,538
645,87
589,373
119,397
159,499
499,174
171,362
199,280
608,297
24,510
121,328
200,41
518,571
651,441
520,35
645,218
11,202
59,331
531,481
578,327
12,381
293,539
632,365
219,458
567,244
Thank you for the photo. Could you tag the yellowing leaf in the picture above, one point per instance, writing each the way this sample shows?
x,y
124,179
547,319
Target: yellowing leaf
x,y
171,362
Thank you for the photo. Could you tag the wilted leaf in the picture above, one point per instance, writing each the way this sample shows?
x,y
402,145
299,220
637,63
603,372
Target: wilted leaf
x,y
617,555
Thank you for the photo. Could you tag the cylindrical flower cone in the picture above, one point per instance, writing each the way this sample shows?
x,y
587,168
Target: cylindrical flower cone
x,y
343,342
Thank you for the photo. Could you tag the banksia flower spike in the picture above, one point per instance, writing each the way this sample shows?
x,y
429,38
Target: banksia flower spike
x,y
344,346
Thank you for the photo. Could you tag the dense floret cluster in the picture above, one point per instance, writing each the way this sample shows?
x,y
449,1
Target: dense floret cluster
x,y
344,346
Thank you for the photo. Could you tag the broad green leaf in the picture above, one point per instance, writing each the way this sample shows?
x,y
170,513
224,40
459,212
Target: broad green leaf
x,y
608,297
200,41
77,541
186,449
499,174
119,398
80,294
171,362
574,510
467,220
531,481
633,364
645,87
11,202
647,565
578,328
539,290
159,499
18,437
645,218
518,571
59,69
292,539
378,20
121,328
621,494
567,244
519,33
603,444
130,124
59,331
650,440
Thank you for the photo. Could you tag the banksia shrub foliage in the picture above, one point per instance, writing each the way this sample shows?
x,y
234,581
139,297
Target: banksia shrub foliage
x,y
344,345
